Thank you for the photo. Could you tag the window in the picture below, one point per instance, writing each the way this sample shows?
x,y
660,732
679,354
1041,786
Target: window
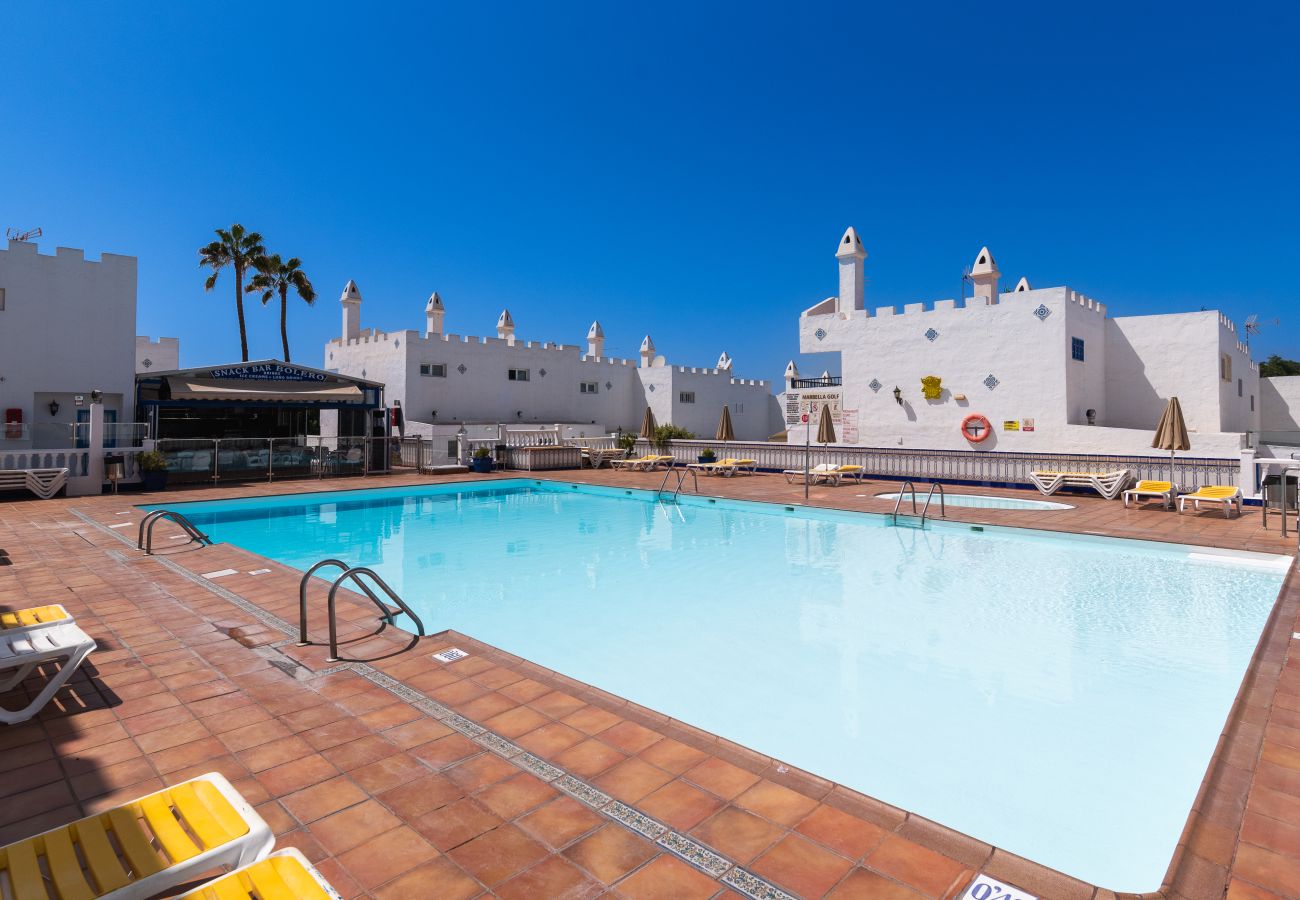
x,y
588,387
1225,367
1238,387
1252,402
686,397
452,449
433,370
1076,349
2,298
517,374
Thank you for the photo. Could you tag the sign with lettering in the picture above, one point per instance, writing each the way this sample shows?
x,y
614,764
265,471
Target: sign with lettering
x,y
1011,425
849,429
266,372
1026,424
986,888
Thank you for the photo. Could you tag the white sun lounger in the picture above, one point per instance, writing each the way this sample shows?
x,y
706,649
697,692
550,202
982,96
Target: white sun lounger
x,y
26,646
44,483
1108,484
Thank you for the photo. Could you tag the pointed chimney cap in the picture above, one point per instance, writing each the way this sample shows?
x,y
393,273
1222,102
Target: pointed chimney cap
x,y
1022,285
595,331
505,320
724,361
350,292
826,373
850,246
791,370
984,263
435,302
647,345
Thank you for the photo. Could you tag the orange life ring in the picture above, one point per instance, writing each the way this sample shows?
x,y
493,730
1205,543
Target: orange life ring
x,y
976,428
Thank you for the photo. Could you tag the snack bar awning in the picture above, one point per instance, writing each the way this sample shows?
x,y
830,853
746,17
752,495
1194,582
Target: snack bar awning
x,y
244,391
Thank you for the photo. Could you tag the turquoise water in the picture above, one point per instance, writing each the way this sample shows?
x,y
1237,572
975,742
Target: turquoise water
x,y
978,501
1057,696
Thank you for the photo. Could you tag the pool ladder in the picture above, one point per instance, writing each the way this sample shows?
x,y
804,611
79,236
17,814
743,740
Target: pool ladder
x,y
681,474
144,540
910,489
355,573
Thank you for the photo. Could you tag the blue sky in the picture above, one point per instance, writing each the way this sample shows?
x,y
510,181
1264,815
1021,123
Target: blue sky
x,y
682,170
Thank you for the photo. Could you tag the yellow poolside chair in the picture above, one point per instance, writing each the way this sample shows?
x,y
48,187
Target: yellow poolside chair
x,y
141,848
1213,493
284,875
637,463
1165,490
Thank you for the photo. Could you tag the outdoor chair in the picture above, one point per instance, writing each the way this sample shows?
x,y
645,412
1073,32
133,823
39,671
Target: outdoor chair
x,y
1213,493
284,875
35,637
1165,490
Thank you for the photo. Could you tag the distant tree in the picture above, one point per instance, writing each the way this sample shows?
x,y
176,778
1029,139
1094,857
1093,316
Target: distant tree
x,y
1276,365
276,278
238,249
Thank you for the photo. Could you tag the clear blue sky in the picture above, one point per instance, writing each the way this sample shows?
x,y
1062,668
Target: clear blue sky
x,y
682,170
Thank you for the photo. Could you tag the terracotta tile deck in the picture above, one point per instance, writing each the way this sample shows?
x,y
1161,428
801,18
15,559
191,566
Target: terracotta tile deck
x,y
381,773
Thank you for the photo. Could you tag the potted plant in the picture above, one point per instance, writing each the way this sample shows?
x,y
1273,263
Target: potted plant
x,y
153,470
627,442
482,460
708,455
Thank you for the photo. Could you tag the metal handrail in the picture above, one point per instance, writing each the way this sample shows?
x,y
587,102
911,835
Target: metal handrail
x,y
144,540
681,481
302,596
943,511
354,573
909,488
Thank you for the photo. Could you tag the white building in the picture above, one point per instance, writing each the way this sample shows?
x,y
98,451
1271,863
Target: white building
x,y
67,328
440,377
1047,368
162,355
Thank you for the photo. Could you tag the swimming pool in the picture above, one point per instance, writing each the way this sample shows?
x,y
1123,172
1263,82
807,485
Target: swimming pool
x,y
1059,696
980,501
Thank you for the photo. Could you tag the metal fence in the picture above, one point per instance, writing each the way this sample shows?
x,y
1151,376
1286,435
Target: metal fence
x,y
200,460
972,466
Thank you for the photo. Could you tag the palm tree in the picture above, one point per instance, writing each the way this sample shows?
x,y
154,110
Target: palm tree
x,y
276,277
239,249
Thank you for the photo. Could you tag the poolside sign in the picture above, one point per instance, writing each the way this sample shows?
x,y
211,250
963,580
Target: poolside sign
x,y
450,655
986,888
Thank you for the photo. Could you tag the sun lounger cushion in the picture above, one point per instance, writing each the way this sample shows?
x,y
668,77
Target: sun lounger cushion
x,y
284,875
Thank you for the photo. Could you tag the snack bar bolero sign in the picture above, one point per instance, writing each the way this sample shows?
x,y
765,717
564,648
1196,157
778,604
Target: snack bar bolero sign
x,y
266,372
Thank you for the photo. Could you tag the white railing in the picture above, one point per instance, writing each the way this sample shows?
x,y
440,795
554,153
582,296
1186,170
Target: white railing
x,y
958,465
77,462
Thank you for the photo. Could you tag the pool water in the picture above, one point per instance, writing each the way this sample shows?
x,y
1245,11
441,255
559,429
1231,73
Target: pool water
x,y
1058,696
978,501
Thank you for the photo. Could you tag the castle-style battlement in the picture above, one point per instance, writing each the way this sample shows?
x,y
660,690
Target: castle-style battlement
x,y
69,255
828,306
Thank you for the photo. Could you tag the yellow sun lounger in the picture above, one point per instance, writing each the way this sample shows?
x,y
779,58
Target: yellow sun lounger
x,y
33,617
284,875
39,636
141,848
1162,489
827,472
1213,493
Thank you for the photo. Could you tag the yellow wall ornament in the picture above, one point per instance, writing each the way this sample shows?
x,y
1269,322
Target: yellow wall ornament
x,y
932,387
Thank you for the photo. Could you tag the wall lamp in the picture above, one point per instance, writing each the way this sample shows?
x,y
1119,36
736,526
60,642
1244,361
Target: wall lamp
x,y
96,396
898,395
54,407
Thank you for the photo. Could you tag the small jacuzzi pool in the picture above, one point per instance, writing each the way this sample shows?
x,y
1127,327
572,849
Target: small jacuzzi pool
x,y
982,501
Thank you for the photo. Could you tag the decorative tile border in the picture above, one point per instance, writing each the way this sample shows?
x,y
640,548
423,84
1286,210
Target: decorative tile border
x,y
696,854
498,745
539,767
636,820
582,791
463,725
751,885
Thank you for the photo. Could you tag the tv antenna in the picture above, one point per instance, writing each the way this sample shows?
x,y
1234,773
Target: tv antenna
x,y
965,277
15,234
1254,326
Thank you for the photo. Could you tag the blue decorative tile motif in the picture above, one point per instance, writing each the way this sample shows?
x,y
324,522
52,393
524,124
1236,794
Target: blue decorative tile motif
x,y
991,382
541,372
820,334
461,369
751,885
695,854
1042,312
651,387
931,334
875,386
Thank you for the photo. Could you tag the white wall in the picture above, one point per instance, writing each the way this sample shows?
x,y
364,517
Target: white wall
x,y
162,355
483,392
1280,404
67,328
